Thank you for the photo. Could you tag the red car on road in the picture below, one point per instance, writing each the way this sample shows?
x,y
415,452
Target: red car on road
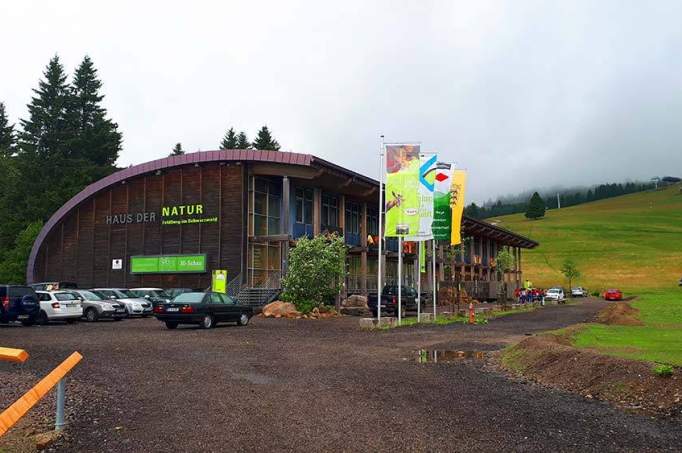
x,y
613,294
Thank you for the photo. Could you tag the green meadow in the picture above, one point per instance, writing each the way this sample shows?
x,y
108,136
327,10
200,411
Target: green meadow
x,y
634,243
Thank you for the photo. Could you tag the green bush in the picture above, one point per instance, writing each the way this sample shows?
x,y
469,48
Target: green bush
x,y
596,293
315,272
663,370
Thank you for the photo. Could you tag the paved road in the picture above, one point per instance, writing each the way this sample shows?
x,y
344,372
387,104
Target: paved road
x,y
280,385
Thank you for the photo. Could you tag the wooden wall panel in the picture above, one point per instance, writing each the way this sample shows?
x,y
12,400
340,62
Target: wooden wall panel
x,y
89,243
171,234
101,263
86,232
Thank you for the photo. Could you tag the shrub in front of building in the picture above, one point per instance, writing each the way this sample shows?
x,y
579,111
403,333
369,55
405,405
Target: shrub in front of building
x,y
315,272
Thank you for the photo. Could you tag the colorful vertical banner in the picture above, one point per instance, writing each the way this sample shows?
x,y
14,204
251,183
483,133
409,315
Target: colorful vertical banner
x,y
442,214
427,174
402,190
457,194
422,258
219,281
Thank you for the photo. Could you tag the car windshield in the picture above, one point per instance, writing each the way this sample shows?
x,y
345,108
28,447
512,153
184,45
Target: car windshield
x,y
89,295
64,296
189,298
107,294
127,293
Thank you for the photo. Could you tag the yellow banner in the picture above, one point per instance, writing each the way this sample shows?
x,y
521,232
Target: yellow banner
x,y
457,193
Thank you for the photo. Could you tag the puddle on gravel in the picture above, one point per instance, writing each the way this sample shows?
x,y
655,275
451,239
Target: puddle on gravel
x,y
446,356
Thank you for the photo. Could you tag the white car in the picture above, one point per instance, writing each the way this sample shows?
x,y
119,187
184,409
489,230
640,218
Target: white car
x,y
555,294
134,305
579,292
59,306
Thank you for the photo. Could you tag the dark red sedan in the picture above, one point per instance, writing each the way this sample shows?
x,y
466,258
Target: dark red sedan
x,y
613,294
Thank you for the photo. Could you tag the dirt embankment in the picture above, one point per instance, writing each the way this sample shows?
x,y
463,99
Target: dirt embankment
x,y
619,314
550,359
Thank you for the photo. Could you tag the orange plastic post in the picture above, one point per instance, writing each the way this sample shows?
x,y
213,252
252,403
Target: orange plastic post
x,y
13,414
472,314
13,355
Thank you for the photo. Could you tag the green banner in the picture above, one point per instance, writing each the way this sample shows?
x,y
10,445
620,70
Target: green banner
x,y
422,257
167,264
442,213
402,190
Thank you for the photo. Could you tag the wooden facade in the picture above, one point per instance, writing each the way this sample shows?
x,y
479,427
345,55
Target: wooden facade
x,y
262,202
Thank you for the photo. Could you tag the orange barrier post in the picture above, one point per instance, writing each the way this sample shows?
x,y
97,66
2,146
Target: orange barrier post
x,y
472,314
16,411
13,355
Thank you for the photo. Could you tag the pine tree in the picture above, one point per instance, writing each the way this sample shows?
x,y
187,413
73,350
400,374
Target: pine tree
x,y
243,141
230,140
43,153
97,140
177,150
7,137
265,141
46,133
536,207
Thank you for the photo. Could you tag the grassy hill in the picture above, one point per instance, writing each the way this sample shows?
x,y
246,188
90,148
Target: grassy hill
x,y
632,242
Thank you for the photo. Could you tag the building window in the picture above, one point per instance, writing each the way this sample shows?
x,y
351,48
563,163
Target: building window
x,y
330,211
372,223
264,259
352,218
304,205
265,199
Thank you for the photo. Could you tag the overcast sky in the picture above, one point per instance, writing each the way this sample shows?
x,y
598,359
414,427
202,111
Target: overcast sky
x,y
523,94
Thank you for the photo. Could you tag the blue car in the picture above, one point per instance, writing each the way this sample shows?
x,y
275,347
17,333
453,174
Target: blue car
x,y
18,303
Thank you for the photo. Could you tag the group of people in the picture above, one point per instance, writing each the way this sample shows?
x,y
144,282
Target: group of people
x,y
529,295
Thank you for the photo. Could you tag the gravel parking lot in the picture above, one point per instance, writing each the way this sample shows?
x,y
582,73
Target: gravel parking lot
x,y
300,385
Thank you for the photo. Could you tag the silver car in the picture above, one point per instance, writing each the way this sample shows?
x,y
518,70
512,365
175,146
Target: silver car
x,y
96,307
134,306
153,295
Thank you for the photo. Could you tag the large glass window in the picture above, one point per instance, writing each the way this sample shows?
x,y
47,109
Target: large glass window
x,y
304,205
330,210
352,218
265,198
264,259
372,223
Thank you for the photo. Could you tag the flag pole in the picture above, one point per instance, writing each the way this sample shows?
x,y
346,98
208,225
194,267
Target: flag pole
x,y
433,263
419,280
400,276
381,222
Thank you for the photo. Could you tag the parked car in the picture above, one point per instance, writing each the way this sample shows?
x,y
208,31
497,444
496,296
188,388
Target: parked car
x,y
203,308
613,294
556,294
174,292
53,286
59,306
95,307
389,300
579,292
19,303
680,284
153,295
134,306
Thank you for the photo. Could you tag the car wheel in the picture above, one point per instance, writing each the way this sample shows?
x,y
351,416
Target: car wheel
x,y
42,318
171,325
207,322
243,319
91,315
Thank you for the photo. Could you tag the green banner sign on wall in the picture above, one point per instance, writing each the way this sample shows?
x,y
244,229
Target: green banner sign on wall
x,y
168,264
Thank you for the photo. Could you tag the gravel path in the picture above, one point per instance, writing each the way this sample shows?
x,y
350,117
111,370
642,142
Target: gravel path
x,y
286,385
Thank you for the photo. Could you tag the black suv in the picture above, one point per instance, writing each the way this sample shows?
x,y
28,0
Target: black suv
x,y
18,303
